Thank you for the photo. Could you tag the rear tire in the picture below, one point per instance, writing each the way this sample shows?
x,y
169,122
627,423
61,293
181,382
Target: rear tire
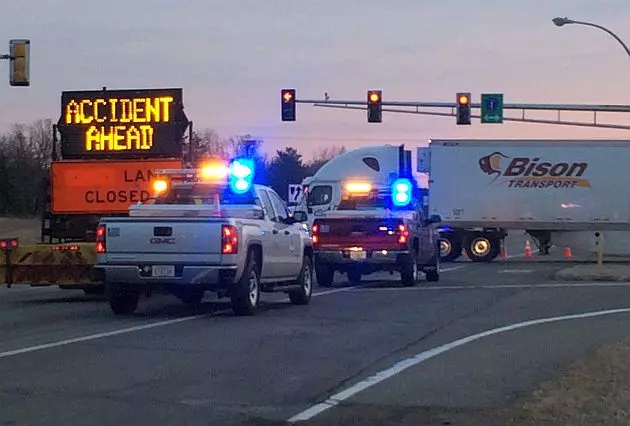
x,y
123,300
246,292
482,248
325,274
409,270
302,296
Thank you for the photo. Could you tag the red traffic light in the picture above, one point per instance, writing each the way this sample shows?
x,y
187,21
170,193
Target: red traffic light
x,y
287,96
374,97
463,100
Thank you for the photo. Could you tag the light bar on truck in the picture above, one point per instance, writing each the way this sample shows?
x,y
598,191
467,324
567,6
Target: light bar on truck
x,y
358,187
239,174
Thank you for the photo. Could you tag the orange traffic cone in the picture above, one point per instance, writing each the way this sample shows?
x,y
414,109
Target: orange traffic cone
x,y
567,253
504,254
528,250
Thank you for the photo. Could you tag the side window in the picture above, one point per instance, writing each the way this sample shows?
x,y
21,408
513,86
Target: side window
x,y
320,195
267,205
279,206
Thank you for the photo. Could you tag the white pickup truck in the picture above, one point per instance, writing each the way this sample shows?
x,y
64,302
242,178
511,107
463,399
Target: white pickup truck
x,y
199,236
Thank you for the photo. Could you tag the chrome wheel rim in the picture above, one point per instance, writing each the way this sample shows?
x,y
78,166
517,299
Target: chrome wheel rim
x,y
445,247
480,247
307,285
253,288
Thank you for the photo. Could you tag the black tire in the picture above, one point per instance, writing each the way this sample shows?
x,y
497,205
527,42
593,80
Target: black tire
x,y
246,292
409,270
123,300
325,274
450,248
354,277
433,276
492,248
302,296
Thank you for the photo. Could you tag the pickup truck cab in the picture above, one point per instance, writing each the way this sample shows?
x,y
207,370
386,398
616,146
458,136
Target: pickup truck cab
x,y
375,229
198,235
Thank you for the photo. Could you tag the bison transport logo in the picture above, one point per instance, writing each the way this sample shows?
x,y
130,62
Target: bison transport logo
x,y
525,172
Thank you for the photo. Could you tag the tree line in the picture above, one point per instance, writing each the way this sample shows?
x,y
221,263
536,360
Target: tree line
x,y
26,154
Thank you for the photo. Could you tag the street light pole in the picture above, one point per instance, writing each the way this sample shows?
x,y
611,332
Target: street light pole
x,y
564,21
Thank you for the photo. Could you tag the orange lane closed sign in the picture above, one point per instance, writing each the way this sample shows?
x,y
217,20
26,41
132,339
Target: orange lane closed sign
x,y
96,187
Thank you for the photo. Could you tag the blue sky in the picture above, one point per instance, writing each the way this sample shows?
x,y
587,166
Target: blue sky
x,y
232,57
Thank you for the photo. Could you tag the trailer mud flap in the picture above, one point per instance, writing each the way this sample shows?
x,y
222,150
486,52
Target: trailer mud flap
x,y
66,265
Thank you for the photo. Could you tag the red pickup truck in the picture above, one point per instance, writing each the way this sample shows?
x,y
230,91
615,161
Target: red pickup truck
x,y
364,236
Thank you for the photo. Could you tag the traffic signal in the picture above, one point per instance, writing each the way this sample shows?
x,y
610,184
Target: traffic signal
x,y
19,58
374,109
288,104
463,108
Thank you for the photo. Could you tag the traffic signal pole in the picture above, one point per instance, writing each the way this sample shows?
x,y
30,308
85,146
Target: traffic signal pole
x,y
404,107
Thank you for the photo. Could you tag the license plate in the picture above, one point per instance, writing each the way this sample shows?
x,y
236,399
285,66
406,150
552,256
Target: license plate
x,y
163,271
358,255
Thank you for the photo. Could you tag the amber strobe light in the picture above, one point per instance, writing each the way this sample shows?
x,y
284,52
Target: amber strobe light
x,y
463,108
374,107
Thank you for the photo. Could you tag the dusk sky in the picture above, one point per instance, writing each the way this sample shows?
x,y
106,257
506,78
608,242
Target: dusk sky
x,y
232,57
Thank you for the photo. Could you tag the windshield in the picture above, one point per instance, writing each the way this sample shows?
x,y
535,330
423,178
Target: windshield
x,y
206,195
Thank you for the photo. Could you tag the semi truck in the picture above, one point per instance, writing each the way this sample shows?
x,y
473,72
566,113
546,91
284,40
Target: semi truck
x,y
551,189
111,141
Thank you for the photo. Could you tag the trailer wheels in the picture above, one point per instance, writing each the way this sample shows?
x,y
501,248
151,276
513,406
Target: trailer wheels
x,y
450,248
482,248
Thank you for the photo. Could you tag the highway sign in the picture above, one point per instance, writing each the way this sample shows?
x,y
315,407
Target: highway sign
x,y
295,191
492,108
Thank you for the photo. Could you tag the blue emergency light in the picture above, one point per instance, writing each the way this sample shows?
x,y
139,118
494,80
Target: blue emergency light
x,y
402,192
241,175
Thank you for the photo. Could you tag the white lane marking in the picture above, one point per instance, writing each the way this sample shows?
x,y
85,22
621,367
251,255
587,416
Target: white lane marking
x,y
399,367
137,328
515,271
498,286
454,268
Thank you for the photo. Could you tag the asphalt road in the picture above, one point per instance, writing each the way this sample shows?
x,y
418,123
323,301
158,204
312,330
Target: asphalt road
x,y
65,359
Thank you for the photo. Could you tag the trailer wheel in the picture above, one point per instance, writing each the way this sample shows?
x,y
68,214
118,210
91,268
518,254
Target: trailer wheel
x,y
122,299
450,248
324,273
481,248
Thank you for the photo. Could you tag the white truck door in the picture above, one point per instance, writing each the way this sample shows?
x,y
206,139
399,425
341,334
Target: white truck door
x,y
287,238
272,258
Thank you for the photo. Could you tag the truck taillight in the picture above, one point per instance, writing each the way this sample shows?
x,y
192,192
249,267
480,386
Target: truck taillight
x,y
403,234
101,244
315,234
229,240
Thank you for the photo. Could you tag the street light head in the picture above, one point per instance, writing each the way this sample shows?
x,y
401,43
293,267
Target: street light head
x,y
558,22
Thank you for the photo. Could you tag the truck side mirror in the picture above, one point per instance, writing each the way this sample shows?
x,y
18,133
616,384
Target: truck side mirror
x,y
300,216
434,218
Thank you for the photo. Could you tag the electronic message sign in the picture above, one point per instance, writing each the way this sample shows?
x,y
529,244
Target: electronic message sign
x,y
146,123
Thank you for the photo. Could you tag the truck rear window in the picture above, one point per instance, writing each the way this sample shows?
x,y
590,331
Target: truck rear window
x,y
206,195
371,204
